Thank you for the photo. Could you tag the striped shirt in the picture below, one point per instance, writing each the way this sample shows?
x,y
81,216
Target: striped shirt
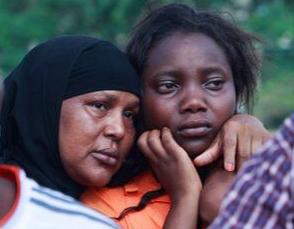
x,y
39,207
263,194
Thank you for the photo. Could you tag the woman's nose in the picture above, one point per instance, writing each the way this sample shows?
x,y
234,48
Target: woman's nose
x,y
193,100
115,128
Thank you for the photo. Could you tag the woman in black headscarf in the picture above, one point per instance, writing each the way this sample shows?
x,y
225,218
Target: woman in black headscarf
x,y
67,115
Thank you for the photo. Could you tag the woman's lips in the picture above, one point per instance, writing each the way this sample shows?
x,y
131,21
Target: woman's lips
x,y
195,128
107,156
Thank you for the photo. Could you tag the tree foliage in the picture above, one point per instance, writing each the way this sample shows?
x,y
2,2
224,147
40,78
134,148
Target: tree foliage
x,y
25,23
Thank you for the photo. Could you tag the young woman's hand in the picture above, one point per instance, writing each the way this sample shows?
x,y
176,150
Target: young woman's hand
x,y
177,175
238,139
170,162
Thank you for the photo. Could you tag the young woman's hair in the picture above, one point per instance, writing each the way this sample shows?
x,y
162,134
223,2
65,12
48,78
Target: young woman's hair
x,y
237,44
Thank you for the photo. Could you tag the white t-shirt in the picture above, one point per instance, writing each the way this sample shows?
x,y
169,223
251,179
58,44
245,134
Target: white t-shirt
x,y
39,207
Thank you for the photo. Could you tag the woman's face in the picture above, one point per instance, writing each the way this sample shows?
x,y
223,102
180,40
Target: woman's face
x,y
96,131
188,87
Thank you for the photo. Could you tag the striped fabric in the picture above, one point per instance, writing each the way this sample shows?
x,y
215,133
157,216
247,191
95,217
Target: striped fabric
x,y
263,193
40,207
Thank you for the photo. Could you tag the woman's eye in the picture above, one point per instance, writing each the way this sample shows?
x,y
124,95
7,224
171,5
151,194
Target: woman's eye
x,y
167,86
214,85
129,114
99,106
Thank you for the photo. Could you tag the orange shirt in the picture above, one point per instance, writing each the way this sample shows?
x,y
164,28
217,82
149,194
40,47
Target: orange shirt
x,y
112,201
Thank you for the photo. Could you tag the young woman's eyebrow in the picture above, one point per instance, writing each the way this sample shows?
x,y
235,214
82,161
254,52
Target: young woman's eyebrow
x,y
171,73
214,69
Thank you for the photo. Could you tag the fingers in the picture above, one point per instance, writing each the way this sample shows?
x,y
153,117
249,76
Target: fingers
x,y
255,144
258,141
229,148
241,136
210,154
244,148
170,145
144,147
155,145
158,145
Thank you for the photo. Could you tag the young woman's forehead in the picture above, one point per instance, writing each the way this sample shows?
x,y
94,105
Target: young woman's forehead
x,y
182,51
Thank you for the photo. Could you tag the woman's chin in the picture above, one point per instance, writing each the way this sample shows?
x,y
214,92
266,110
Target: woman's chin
x,y
195,148
100,179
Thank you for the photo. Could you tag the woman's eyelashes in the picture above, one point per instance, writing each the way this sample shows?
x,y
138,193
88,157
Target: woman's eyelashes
x,y
214,84
167,86
129,114
103,107
214,81
100,106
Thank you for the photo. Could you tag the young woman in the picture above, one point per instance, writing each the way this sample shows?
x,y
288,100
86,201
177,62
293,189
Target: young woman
x,y
197,69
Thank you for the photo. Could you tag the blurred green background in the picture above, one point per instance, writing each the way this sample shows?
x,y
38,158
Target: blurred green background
x,y
25,23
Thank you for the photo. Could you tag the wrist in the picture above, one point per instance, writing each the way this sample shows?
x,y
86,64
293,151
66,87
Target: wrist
x,y
186,198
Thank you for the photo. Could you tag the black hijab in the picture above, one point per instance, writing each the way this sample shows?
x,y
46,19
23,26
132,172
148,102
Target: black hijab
x,y
53,71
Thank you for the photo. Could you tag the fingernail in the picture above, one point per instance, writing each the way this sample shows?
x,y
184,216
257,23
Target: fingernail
x,y
229,167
